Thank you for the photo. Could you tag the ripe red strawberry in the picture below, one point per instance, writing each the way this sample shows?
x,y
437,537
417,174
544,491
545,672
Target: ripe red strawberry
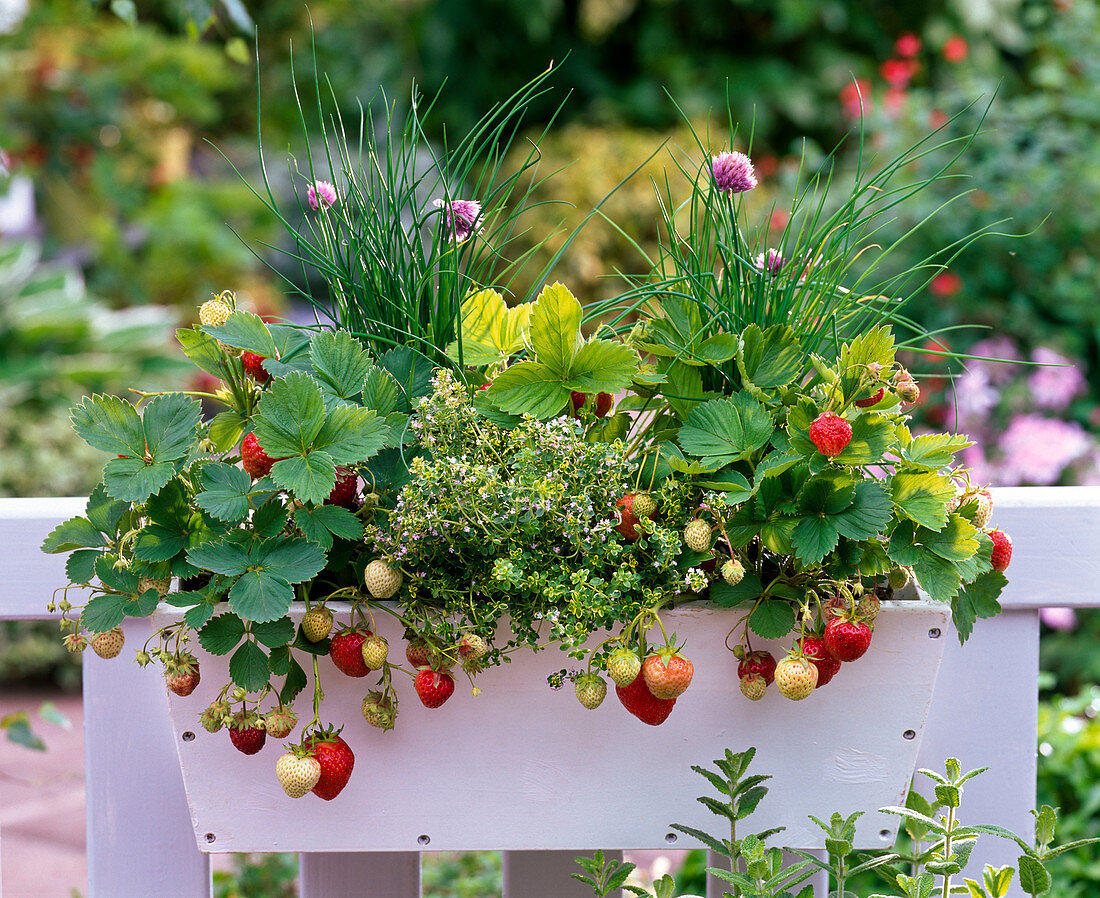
x,y
830,434
337,761
253,366
182,675
813,647
601,407
643,704
346,490
846,639
255,461
433,686
667,673
244,733
628,522
1002,549
417,653
757,664
603,404
872,400
346,651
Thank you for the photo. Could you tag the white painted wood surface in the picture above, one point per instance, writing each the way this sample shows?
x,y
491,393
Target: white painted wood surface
x,y
983,709
523,767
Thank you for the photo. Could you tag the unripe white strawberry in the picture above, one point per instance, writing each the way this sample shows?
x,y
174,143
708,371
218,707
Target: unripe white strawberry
x,y
297,775
591,690
753,687
644,505
279,722
375,650
471,647
733,572
109,644
697,535
623,666
382,581
796,678
316,624
380,710
214,313
161,585
984,512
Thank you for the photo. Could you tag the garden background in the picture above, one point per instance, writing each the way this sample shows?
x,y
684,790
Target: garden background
x,y
120,211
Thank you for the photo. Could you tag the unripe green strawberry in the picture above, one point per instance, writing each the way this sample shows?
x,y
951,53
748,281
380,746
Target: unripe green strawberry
x,y
279,722
214,313
161,585
380,710
623,666
796,678
753,687
75,642
591,690
375,651
109,644
297,774
697,535
644,505
213,717
382,581
868,607
316,624
899,577
733,572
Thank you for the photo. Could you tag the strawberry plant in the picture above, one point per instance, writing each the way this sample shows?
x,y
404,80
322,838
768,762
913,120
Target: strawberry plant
x,y
504,477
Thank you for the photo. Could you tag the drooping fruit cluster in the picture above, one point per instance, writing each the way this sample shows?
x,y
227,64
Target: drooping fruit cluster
x,y
647,687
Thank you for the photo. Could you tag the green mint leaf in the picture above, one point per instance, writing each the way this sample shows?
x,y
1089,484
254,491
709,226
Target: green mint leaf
x,y
225,492
555,329
726,430
221,634
75,533
274,633
103,612
260,596
771,358
248,667
529,388
290,415
602,366
171,424
109,424
772,619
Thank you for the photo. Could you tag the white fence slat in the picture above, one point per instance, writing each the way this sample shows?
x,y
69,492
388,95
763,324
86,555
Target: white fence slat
x,y
394,874
140,841
1055,534
29,576
546,874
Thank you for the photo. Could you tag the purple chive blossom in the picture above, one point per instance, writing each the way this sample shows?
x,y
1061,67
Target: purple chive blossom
x,y
1054,387
320,194
1059,618
771,261
733,172
461,218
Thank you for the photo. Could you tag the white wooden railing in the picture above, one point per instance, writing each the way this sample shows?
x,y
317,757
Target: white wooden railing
x,y
139,832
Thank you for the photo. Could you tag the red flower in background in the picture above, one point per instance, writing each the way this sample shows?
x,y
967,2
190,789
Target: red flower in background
x,y
907,44
855,97
946,283
955,48
898,72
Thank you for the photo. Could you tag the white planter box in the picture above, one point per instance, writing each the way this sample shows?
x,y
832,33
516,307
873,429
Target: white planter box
x,y
522,766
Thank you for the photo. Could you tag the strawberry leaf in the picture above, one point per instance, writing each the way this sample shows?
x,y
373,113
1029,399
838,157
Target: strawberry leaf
x,y
291,414
104,512
529,387
602,366
977,600
103,612
80,566
341,364
274,633
248,667
868,514
226,429
171,425
872,435
225,492
772,618
295,682
110,424
771,358
380,391
721,593
224,557
75,533
322,522
555,328
932,451
132,480
243,330
221,634
351,434
922,496
722,431
412,371
311,478
260,596
121,580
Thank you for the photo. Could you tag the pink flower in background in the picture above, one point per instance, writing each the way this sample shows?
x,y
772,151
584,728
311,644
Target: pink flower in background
x,y
320,194
1059,618
1054,388
856,98
1037,450
974,398
461,218
770,262
898,72
907,44
1000,347
955,48
733,172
